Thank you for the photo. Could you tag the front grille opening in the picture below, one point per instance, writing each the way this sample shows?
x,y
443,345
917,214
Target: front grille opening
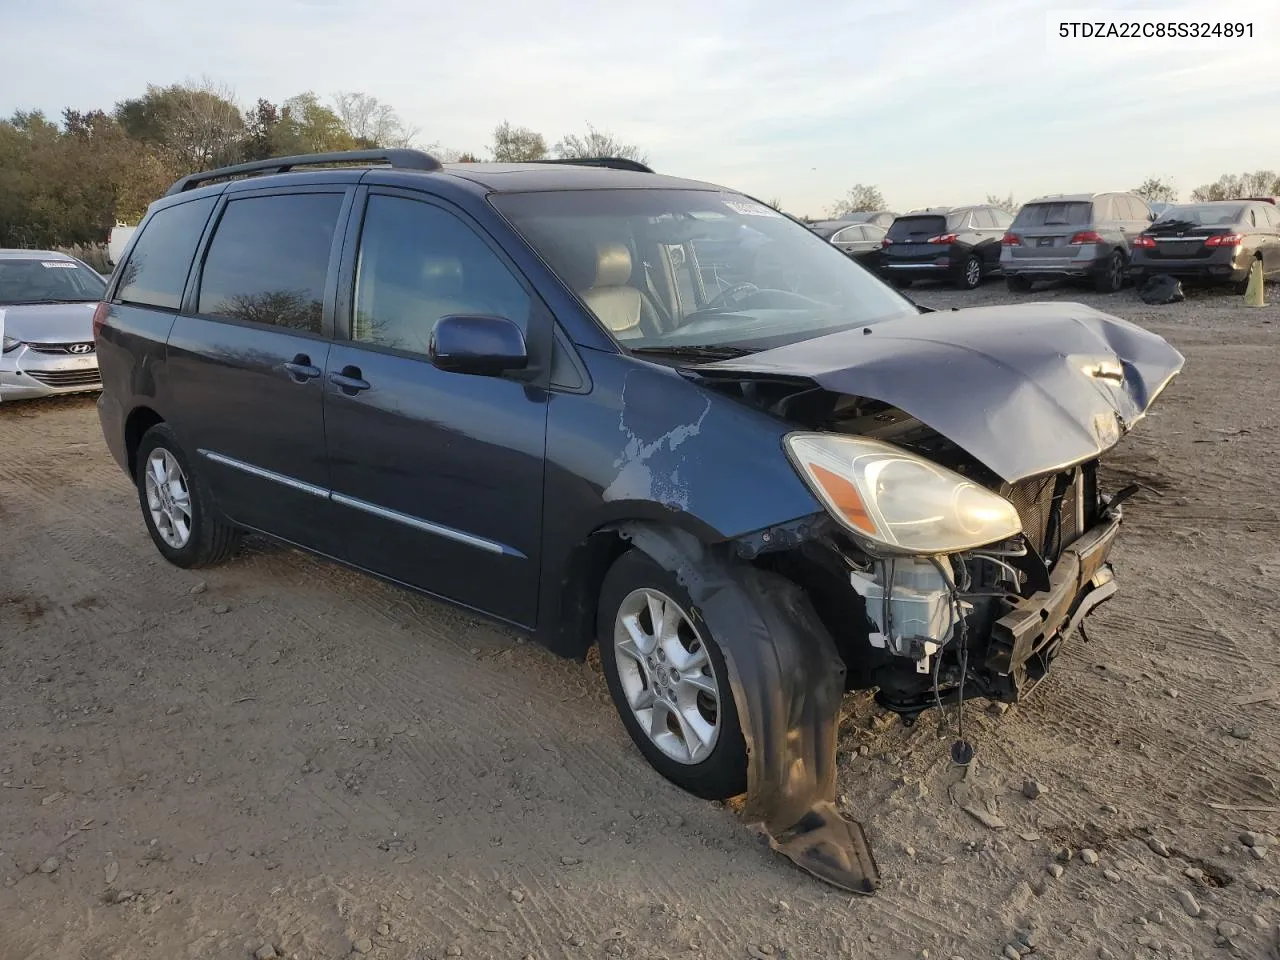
x,y
66,378
1075,507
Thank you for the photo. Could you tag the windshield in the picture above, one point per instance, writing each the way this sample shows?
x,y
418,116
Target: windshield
x,y
1202,214
32,280
685,268
905,228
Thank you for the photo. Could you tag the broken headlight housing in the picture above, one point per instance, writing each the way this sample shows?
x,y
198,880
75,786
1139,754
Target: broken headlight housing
x,y
897,501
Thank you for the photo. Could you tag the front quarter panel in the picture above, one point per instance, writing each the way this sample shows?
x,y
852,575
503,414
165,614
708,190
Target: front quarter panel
x,y
649,444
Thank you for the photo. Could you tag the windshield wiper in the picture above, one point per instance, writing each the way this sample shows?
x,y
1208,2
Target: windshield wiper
x,y
37,303
701,351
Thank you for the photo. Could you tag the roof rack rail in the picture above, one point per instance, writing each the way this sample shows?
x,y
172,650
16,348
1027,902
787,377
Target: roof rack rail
x,y
614,163
398,159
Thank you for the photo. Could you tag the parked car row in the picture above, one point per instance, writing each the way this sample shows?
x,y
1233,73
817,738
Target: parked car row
x,y
1100,238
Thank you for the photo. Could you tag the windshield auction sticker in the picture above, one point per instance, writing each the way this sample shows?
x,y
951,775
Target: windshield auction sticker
x,y
57,264
749,209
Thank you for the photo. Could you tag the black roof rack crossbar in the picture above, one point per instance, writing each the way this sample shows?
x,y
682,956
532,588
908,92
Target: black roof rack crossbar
x,y
614,163
398,159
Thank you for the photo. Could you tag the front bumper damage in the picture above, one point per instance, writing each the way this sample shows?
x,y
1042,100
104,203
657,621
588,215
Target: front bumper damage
x,y
788,675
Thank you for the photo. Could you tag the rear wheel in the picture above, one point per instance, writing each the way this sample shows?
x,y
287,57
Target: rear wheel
x,y
970,273
176,504
1111,277
1017,284
668,679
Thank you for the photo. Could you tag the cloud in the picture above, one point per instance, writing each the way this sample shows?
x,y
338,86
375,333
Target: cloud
x,y
933,101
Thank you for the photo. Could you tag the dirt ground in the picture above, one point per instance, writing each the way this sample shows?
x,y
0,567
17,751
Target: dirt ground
x,y
281,754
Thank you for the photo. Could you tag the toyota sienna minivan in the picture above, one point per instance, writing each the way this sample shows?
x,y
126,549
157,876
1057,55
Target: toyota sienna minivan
x,y
624,410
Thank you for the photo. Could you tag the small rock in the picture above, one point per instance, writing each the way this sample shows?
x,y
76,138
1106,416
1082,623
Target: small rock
x,y
265,952
1028,938
1171,692
1251,839
1111,875
1089,856
783,906
1105,954
1031,789
113,871
201,859
570,861
1189,903
1241,733
1151,943
199,588
1055,870
52,798
123,896
1158,847
1039,886
454,950
1065,854
1156,916
998,709
221,608
363,945
1257,852
1260,921
1193,873
910,851
1229,930
1110,808
50,866
1011,952
517,896
172,711
384,929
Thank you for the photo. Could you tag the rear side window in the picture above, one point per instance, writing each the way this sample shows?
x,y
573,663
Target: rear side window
x,y
157,268
909,227
1069,214
1272,213
269,260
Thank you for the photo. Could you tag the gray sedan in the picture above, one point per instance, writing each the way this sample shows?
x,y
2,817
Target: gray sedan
x,y
46,324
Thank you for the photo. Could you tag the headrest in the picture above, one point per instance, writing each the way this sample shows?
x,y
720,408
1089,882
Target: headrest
x,y
613,265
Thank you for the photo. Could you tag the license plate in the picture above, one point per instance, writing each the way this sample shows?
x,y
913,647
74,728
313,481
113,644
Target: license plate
x,y
1045,242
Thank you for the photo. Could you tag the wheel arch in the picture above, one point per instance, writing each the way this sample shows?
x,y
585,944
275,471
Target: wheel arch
x,y
141,419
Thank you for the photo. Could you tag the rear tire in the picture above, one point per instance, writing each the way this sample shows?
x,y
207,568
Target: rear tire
x,y
715,768
177,507
970,274
1111,278
1017,284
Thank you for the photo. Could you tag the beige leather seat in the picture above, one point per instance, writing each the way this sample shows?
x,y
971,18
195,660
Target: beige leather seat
x,y
625,309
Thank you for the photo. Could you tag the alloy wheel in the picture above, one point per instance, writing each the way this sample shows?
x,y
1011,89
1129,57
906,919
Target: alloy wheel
x,y
168,498
667,675
972,272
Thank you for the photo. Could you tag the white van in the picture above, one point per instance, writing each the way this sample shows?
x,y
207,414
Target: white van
x,y
119,238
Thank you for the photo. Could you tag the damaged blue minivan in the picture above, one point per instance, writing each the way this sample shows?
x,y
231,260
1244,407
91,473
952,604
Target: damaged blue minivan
x,y
618,409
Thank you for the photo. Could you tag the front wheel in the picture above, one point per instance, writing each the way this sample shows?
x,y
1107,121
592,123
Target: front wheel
x,y
176,505
668,679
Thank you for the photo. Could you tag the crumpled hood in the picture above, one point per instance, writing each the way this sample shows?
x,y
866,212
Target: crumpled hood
x,y
49,322
1023,388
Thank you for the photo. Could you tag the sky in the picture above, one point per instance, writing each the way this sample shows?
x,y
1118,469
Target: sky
x,y
933,101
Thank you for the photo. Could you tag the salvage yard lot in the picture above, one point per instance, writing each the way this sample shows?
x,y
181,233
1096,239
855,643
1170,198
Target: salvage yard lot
x,y
279,751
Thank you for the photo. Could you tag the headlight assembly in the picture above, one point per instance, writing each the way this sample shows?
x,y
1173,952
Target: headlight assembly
x,y
897,500
9,345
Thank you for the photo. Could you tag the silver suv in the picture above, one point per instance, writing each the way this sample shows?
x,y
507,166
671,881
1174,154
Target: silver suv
x,y
1082,235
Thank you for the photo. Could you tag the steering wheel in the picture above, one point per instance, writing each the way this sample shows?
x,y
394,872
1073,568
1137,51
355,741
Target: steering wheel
x,y
730,295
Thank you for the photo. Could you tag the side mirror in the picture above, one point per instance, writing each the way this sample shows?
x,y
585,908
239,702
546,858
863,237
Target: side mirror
x,y
477,344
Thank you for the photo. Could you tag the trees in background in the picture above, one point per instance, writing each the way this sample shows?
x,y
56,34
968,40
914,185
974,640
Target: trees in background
x,y
861,197
1156,190
1229,186
517,144
1007,203
596,143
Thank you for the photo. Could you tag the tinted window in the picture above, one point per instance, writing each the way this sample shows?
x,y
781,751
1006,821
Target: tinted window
x,y
52,280
157,268
419,263
1204,214
874,232
1072,214
269,259
848,234
1272,214
917,227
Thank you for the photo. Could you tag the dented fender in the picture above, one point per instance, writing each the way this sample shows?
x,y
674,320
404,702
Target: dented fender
x,y
788,681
